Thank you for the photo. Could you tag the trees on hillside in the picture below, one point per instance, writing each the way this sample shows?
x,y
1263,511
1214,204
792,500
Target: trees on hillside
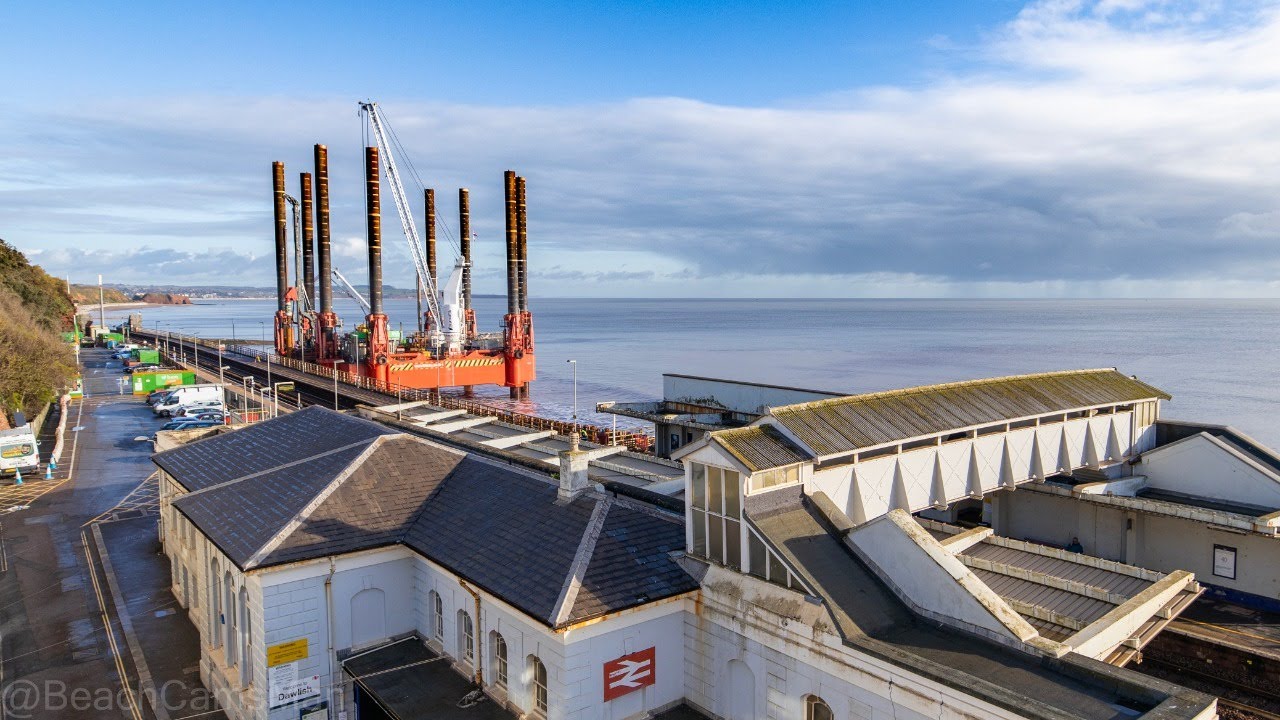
x,y
34,362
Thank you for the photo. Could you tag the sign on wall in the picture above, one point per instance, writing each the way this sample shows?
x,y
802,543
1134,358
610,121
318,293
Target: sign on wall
x,y
629,673
287,652
285,687
1224,561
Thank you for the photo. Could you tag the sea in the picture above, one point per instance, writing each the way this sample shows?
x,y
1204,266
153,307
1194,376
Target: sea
x,y
1217,358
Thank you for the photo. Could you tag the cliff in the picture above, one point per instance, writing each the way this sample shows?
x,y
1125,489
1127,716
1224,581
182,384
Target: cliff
x,y
163,298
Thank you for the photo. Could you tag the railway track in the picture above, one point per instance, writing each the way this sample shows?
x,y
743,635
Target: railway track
x,y
307,389
1236,700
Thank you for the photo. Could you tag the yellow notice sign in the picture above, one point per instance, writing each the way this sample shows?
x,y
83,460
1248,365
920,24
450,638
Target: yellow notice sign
x,y
287,652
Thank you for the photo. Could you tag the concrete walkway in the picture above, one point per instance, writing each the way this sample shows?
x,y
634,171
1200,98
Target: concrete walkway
x,y
164,642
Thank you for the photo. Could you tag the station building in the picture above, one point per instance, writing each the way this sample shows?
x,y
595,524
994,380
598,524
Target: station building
x,y
338,567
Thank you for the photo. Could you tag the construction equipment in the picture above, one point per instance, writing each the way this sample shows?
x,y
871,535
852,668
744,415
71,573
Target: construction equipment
x,y
350,290
449,352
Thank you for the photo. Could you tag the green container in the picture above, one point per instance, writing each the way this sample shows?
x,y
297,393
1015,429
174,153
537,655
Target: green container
x,y
70,337
118,337
145,355
145,383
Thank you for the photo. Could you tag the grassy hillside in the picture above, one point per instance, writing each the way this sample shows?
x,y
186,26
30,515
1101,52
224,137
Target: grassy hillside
x,y
34,362
88,295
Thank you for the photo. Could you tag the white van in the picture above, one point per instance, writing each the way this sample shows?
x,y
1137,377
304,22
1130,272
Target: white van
x,y
19,449
185,395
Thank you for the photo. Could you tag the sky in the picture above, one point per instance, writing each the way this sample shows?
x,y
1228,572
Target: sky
x,y
1060,148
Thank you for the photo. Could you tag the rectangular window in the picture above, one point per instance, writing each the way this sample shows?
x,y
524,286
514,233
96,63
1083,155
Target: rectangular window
x,y
917,444
882,452
756,556
715,539
699,485
699,521
715,490
733,544
777,572
732,494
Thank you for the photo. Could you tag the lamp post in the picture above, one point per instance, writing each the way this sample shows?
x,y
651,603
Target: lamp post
x,y
264,343
244,396
573,441
275,397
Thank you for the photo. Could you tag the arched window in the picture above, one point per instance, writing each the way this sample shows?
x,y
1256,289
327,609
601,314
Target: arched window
x,y
215,606
245,676
815,708
466,638
229,623
437,616
499,663
538,685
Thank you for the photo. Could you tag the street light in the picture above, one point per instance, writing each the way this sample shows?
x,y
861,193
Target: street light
x,y
244,396
573,441
264,344
275,396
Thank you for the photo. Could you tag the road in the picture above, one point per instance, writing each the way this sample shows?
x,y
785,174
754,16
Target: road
x,y
62,651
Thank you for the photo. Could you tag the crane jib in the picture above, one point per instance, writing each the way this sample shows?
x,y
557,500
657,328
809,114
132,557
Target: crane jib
x,y
406,219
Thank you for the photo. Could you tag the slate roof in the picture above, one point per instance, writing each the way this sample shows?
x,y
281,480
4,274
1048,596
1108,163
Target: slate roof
x,y
760,447
296,436
498,527
841,425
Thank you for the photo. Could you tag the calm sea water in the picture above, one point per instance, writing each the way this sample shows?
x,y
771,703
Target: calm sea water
x,y
1216,357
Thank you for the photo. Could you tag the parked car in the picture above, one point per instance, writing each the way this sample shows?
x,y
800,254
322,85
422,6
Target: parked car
x,y
145,367
186,395
158,396
198,407
219,415
188,424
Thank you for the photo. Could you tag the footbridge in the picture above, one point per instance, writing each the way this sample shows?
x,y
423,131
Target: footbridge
x,y
928,447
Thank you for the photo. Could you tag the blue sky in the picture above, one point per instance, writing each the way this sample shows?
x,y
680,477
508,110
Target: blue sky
x,y
991,148
489,53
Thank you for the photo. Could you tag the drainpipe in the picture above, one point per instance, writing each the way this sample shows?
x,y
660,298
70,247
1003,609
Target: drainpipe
x,y
328,606
479,634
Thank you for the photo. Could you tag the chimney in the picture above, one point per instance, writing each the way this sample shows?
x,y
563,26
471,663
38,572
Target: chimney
x,y
464,241
522,241
429,200
513,292
308,239
573,474
373,229
282,259
322,223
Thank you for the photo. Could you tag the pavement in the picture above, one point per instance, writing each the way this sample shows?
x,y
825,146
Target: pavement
x,y
65,649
